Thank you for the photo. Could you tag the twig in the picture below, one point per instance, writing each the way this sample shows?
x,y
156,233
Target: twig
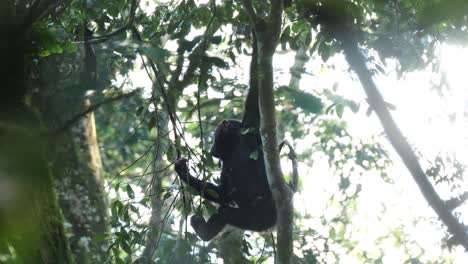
x,y
200,82
251,14
125,27
274,246
37,11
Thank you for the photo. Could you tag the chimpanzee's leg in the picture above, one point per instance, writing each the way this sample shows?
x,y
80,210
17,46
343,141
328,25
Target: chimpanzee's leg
x,y
255,218
207,230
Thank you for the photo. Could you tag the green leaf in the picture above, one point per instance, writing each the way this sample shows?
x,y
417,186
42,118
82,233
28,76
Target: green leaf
x,y
70,47
170,153
56,49
218,62
167,195
126,247
216,40
254,155
318,40
211,193
332,233
113,11
339,110
100,237
155,53
191,190
324,51
305,101
139,110
134,209
440,11
130,191
44,53
232,56
126,216
285,35
151,123
308,38
210,208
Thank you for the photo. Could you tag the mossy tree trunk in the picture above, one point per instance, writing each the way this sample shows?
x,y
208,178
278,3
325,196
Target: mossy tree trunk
x,y
31,222
75,159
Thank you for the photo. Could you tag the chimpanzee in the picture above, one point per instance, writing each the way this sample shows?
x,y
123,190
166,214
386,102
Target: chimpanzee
x,y
244,197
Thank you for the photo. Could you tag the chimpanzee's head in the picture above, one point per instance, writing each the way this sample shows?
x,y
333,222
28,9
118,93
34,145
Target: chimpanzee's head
x,y
226,137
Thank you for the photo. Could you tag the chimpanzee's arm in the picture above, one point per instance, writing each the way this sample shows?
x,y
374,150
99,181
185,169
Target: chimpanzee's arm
x,y
207,190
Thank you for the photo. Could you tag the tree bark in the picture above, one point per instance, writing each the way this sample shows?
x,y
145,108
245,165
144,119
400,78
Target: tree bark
x,y
74,154
281,193
30,219
230,247
156,224
267,31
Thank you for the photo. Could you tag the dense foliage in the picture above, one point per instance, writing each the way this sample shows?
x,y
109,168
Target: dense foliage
x,y
160,76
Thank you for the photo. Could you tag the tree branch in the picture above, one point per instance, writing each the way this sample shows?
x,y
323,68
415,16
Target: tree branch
x,y
125,27
267,36
357,62
38,10
453,203
250,11
276,11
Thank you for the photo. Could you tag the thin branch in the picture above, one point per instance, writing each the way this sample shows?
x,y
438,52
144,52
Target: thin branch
x,y
249,9
128,25
194,64
453,203
207,35
38,10
159,83
90,109
175,74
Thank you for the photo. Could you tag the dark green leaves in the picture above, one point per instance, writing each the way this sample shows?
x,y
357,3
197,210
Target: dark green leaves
x,y
440,11
306,101
254,154
130,192
154,53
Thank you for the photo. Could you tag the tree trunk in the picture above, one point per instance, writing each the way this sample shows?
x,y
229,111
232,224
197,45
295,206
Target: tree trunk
x,y
30,219
376,101
156,224
267,31
74,158
281,193
230,248
76,163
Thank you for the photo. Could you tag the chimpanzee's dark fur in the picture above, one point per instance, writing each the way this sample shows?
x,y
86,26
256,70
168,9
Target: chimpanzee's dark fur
x,y
244,195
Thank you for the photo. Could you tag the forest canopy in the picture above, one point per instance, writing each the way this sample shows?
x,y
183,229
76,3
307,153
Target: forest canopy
x,y
223,131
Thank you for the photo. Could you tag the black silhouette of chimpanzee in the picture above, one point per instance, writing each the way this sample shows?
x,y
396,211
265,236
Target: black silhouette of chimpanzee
x,y
244,196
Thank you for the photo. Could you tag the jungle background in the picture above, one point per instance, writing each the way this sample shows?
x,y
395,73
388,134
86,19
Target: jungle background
x,y
99,98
